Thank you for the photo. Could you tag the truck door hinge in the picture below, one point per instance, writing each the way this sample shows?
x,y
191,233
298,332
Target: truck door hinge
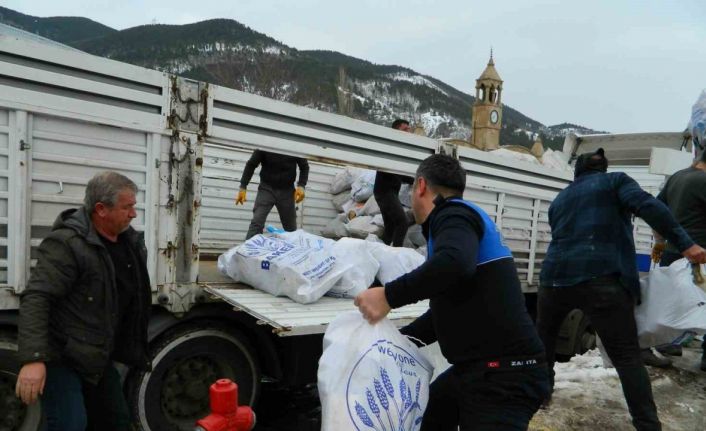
x,y
24,146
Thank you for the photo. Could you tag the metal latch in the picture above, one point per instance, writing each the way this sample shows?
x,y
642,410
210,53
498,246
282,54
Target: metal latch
x,y
188,104
24,145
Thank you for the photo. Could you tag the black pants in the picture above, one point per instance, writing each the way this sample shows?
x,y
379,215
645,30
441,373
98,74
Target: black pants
x,y
70,404
610,308
669,258
485,400
393,216
268,197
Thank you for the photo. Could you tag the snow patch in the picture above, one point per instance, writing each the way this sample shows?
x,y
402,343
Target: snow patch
x,y
416,80
274,50
587,368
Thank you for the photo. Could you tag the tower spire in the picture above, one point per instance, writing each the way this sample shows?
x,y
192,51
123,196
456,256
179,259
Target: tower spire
x,y
491,62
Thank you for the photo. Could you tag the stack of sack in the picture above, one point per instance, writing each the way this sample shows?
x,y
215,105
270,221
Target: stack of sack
x,y
360,216
305,267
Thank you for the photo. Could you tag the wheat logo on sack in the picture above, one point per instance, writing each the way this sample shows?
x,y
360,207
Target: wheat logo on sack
x,y
389,399
265,246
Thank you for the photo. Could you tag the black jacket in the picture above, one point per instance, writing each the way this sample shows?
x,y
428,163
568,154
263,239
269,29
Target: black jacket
x,y
476,313
69,309
278,171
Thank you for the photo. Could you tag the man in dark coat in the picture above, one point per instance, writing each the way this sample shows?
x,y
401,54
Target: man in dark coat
x,y
86,305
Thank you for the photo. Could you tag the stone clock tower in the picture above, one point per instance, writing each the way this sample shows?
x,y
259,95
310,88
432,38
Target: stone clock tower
x,y
487,111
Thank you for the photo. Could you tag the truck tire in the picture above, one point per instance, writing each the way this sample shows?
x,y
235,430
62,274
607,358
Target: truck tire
x,y
15,415
186,360
576,336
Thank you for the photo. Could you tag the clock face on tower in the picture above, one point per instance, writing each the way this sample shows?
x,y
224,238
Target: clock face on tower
x,y
494,117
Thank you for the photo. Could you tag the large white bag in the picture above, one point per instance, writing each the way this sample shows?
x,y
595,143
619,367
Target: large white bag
x,y
341,199
283,268
405,195
363,267
342,181
336,228
371,377
671,305
303,238
361,227
394,261
362,187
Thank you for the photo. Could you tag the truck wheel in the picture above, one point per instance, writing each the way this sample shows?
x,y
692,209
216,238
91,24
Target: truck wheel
x,y
185,362
576,336
585,337
15,415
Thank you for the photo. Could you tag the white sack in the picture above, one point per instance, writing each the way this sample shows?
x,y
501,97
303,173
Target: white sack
x,y
378,221
361,227
405,195
371,377
373,238
362,187
341,199
351,205
336,228
556,160
671,305
415,236
303,238
363,267
697,122
282,268
342,181
370,208
394,261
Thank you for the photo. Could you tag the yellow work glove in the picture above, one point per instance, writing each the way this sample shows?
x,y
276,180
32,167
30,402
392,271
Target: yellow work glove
x,y
657,250
242,197
299,195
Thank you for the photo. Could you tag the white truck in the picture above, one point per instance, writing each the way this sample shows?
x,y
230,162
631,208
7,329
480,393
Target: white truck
x,y
66,115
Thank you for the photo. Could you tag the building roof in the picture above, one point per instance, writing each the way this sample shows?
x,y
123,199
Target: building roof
x,y
490,73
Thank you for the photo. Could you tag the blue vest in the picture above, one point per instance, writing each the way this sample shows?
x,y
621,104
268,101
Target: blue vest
x,y
491,247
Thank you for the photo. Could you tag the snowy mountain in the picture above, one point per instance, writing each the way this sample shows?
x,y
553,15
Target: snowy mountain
x,y
228,53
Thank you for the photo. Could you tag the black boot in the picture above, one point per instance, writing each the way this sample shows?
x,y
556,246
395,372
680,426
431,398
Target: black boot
x,y
649,358
670,349
638,394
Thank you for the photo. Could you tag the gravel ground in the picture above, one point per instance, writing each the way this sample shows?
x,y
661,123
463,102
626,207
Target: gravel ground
x,y
589,397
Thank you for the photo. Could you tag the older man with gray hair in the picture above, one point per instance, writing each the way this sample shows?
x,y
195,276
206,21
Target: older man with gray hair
x,y
86,305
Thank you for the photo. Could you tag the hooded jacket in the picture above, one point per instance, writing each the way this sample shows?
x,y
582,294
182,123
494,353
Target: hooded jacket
x,y
69,309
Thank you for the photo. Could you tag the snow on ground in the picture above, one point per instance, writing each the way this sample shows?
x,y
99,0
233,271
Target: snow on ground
x,y
588,396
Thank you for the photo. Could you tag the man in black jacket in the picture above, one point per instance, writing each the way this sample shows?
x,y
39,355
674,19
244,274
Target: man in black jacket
x,y
276,188
590,265
87,304
386,191
498,377
685,195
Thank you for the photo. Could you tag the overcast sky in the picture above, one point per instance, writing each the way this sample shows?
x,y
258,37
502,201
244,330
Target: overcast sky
x,y
616,65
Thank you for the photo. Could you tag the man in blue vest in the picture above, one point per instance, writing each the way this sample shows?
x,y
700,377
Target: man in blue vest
x,y
477,313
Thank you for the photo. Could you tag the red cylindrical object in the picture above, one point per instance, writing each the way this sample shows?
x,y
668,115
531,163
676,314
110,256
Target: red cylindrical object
x,y
224,397
226,415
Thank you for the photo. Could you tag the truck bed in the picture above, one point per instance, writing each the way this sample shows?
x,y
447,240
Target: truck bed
x,y
286,317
